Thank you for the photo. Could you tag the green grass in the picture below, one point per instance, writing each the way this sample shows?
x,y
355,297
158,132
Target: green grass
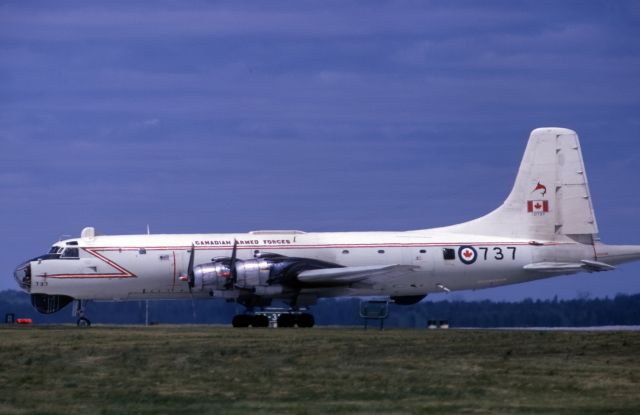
x,y
200,369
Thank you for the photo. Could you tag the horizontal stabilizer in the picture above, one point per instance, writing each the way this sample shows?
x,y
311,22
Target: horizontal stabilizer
x,y
569,267
597,266
348,275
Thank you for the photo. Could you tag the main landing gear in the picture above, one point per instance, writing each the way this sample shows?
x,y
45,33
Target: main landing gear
x,y
302,320
80,311
246,320
274,318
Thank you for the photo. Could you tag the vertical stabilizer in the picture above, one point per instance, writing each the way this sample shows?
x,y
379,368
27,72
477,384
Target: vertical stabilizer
x,y
550,197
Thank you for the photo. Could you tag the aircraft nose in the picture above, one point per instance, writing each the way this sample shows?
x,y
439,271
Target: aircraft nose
x,y
22,275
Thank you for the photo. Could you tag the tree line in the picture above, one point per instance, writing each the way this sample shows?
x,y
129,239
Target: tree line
x,y
620,310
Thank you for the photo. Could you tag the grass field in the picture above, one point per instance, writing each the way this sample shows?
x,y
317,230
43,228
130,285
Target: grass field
x,y
201,369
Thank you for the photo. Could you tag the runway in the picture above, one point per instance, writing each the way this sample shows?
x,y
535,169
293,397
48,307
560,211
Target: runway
x,y
577,329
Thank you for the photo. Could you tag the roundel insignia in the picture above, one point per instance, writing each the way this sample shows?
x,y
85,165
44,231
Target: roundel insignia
x,y
467,254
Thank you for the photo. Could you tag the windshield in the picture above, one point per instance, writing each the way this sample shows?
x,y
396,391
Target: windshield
x,y
54,253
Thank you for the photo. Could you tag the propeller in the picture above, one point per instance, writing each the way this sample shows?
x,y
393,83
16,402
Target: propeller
x,y
191,277
231,282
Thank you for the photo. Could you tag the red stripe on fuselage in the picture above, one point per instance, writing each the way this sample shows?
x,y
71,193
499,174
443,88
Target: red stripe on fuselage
x,y
124,273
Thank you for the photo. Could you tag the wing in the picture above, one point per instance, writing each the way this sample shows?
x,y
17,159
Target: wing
x,y
348,275
569,267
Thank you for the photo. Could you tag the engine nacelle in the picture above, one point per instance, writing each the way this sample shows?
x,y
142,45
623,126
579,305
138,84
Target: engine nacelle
x,y
251,273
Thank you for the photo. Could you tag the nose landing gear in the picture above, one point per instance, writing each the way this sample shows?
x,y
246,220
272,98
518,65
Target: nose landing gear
x,y
80,311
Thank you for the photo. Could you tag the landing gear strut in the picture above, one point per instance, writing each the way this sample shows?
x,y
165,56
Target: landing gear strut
x,y
80,311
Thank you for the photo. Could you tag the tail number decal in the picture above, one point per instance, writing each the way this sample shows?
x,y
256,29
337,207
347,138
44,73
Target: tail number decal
x,y
468,254
498,253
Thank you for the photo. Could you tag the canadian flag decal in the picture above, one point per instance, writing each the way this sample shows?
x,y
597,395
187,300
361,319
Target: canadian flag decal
x,y
538,206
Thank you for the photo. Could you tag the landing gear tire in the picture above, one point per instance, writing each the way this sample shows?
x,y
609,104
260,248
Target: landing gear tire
x,y
286,320
260,320
305,320
241,320
84,322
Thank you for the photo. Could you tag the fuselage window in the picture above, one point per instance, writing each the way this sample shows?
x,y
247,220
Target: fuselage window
x,y
423,251
142,251
346,251
70,253
448,254
381,251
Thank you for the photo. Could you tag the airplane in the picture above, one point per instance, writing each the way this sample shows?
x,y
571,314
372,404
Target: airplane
x,y
546,227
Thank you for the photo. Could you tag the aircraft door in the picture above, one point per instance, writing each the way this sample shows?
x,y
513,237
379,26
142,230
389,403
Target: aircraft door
x,y
421,257
418,282
176,270
157,273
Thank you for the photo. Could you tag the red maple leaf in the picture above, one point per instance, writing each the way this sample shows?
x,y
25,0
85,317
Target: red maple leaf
x,y
467,254
538,205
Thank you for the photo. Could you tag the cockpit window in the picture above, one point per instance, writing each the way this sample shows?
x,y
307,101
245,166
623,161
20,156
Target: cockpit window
x,y
54,253
70,253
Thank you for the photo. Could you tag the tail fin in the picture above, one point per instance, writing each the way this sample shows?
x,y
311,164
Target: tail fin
x,y
550,198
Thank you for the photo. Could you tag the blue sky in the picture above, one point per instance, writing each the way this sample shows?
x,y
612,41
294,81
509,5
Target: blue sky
x,y
232,116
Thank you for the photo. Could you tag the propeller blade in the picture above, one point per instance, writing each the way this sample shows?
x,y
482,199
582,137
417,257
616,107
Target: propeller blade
x,y
232,264
191,279
191,276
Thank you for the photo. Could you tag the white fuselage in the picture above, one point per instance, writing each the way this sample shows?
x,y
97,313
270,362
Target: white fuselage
x,y
150,266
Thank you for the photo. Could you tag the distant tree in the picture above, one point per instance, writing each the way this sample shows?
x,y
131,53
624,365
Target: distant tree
x,y
582,311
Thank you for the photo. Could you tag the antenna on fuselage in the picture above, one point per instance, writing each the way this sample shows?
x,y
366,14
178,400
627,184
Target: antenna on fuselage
x,y
148,230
